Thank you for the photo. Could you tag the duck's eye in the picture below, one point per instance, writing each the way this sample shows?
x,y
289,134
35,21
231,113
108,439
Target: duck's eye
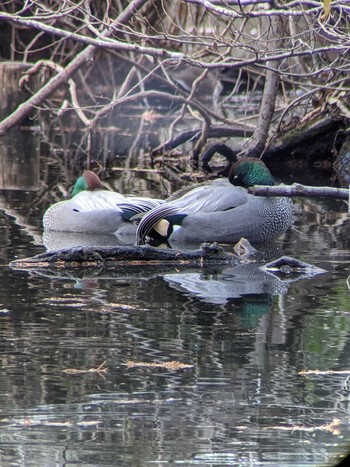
x,y
76,210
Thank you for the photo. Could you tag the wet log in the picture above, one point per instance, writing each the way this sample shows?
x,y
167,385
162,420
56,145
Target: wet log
x,y
124,259
121,255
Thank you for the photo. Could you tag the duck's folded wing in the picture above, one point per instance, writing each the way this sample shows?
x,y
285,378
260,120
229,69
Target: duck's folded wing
x,y
134,206
146,202
211,198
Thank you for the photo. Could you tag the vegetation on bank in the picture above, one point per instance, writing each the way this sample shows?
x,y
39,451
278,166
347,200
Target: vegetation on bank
x,y
195,61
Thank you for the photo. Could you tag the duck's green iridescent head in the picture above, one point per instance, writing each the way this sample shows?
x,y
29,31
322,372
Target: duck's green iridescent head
x,y
88,181
249,172
80,185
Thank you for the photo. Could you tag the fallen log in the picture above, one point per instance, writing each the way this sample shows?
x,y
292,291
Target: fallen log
x,y
122,255
125,258
309,140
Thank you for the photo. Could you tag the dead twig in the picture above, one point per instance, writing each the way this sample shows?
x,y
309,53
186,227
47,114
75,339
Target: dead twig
x,y
102,369
324,372
172,365
332,427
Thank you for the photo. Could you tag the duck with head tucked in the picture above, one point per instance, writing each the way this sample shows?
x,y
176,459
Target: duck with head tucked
x,y
94,210
221,211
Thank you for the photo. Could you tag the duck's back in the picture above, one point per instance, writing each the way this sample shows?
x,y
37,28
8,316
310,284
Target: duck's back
x,y
86,212
102,199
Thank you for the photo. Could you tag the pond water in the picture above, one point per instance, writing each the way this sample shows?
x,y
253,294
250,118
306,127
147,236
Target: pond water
x,y
69,396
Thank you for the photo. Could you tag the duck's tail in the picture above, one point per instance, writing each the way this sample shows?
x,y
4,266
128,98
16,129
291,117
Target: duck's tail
x,y
158,223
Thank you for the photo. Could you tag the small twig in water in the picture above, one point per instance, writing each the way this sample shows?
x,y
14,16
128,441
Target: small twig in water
x,y
173,365
75,371
323,372
332,427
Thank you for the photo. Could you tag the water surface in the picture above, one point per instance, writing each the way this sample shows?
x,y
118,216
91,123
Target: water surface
x,y
245,335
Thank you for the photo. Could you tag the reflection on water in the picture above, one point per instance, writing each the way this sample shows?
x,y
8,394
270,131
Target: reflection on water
x,y
20,161
247,335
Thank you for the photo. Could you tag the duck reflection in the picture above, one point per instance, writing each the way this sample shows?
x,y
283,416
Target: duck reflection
x,y
233,282
246,286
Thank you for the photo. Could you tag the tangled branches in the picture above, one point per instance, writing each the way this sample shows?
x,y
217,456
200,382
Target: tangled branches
x,y
198,54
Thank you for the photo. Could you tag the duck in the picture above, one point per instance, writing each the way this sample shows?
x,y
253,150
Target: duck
x,y
221,210
94,210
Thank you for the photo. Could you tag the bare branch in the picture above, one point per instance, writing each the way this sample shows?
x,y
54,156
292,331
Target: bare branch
x,y
105,43
209,6
142,49
24,109
301,190
257,143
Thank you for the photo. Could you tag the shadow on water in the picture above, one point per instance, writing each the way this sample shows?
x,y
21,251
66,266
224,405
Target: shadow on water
x,y
245,335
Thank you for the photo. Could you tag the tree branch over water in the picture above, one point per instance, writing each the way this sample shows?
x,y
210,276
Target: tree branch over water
x,y
229,49
102,41
63,76
300,190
